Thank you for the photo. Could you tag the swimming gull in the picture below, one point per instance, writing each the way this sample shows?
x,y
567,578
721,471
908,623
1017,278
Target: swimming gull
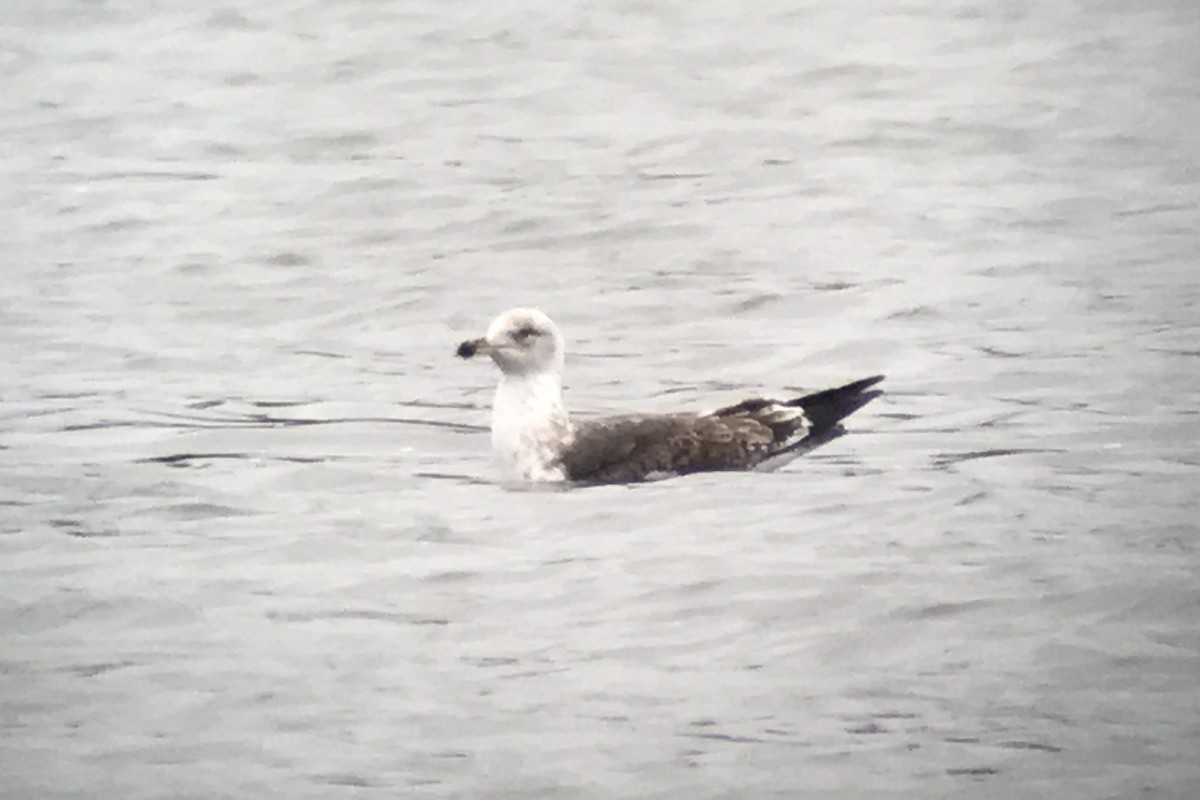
x,y
538,441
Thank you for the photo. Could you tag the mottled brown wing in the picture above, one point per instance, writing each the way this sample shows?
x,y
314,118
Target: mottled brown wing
x,y
622,449
740,436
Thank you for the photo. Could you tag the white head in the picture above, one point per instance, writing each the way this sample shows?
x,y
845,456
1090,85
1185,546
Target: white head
x,y
522,341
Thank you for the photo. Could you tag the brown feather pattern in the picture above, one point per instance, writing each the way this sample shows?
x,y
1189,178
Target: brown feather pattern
x,y
740,436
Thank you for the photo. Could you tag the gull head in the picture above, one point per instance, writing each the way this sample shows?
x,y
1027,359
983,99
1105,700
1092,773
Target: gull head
x,y
522,341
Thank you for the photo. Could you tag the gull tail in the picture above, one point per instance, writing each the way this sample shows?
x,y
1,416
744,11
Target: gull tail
x,y
827,408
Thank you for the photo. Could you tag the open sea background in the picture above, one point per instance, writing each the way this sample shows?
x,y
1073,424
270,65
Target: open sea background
x,y
251,541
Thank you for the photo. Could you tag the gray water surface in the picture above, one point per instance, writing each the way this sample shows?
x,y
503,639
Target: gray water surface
x,y
251,540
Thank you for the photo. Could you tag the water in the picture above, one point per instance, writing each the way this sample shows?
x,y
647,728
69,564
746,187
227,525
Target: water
x,y
251,541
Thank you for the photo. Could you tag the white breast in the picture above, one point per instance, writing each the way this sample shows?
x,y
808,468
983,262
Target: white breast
x,y
530,427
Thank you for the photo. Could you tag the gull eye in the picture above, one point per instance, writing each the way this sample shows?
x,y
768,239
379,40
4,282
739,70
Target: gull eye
x,y
525,334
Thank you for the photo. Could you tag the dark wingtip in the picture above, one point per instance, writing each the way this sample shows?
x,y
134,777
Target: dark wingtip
x,y
827,408
865,383
467,349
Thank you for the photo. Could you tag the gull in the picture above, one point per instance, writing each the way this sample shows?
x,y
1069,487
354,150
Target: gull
x,y
538,441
